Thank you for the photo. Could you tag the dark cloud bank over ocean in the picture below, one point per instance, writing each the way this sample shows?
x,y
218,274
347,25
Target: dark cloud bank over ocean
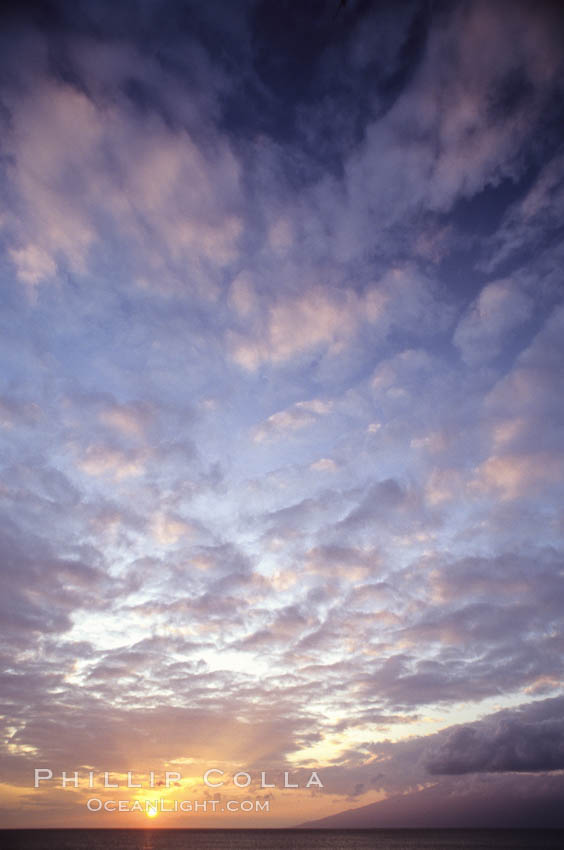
x,y
282,403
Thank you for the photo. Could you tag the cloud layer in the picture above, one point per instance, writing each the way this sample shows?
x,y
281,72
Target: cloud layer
x,y
281,403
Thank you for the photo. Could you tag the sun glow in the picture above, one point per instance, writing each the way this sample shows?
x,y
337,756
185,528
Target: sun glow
x,y
151,811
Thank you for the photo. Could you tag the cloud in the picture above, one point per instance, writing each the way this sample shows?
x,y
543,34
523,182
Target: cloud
x,y
281,413
44,589
75,201
100,460
321,317
383,499
130,419
14,412
530,224
346,562
324,464
499,309
510,742
515,475
459,126
168,530
300,415
33,264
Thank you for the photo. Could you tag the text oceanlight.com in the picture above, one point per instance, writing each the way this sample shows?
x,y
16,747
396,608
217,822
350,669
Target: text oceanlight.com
x,y
152,807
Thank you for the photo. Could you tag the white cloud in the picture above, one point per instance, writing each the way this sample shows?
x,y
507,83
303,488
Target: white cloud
x,y
324,464
99,460
294,418
499,309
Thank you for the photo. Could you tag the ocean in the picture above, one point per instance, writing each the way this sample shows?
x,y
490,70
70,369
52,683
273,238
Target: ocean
x,y
296,839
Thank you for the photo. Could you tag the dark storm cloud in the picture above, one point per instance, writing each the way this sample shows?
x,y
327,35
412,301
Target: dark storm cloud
x,y
512,747
527,740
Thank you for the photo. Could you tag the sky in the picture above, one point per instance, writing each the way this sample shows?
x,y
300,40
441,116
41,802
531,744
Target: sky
x,y
281,407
